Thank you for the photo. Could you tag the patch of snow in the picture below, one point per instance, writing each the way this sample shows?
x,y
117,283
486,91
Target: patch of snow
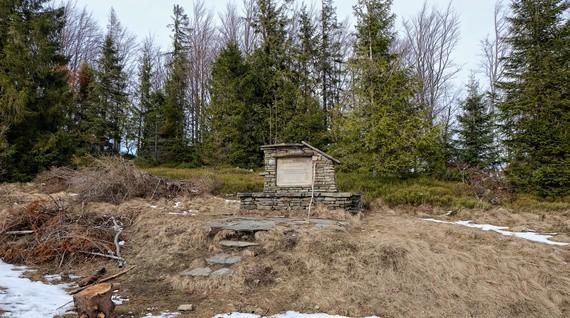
x,y
153,206
177,204
289,314
23,297
164,314
503,230
121,243
117,299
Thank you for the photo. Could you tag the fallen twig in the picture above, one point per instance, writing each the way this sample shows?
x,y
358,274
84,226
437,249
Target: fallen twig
x,y
105,255
118,230
23,232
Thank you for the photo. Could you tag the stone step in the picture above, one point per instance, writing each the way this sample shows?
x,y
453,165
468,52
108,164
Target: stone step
x,y
238,244
224,259
206,272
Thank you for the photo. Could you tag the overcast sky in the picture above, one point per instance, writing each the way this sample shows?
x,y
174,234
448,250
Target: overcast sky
x,y
151,17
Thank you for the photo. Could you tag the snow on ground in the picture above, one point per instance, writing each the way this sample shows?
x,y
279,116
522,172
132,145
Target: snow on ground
x,y
530,235
289,314
24,298
118,299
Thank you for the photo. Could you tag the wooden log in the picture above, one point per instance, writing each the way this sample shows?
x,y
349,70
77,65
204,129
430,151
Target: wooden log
x,y
106,279
93,278
95,301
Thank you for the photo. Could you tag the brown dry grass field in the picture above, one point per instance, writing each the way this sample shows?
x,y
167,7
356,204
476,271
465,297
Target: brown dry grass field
x,y
388,262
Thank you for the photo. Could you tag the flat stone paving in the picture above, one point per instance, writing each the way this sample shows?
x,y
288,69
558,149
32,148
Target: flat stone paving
x,y
254,224
222,272
224,259
198,272
240,244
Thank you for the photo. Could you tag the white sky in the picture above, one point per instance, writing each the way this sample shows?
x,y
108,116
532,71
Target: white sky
x,y
151,17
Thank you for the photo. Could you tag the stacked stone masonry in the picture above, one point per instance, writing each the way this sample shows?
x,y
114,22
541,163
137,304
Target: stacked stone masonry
x,y
350,202
321,186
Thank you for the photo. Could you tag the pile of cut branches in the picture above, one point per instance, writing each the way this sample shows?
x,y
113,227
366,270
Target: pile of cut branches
x,y
44,231
114,180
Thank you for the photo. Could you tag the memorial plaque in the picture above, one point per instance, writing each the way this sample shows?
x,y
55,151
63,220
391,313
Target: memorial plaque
x,y
294,172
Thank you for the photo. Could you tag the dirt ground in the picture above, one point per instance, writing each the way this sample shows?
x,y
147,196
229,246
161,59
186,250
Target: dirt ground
x,y
388,262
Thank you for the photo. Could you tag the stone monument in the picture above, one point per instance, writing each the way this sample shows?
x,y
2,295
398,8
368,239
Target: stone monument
x,y
296,176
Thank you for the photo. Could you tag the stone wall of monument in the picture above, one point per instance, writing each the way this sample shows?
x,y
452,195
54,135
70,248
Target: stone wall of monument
x,y
324,174
350,202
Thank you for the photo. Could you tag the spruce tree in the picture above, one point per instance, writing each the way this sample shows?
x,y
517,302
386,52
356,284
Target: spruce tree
x,y
535,113
147,109
34,94
328,57
234,137
108,106
475,134
173,142
383,132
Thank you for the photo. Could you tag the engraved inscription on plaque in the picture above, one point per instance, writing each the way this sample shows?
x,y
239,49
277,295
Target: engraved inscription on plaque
x,y
294,172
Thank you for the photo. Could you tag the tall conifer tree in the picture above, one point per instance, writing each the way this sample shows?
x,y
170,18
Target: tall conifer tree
x,y
384,132
475,133
173,140
34,94
535,113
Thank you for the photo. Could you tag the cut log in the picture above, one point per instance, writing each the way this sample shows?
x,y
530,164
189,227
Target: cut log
x,y
93,278
95,301
102,280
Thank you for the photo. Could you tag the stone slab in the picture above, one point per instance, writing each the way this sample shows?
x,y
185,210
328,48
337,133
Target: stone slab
x,y
254,224
185,307
240,244
244,224
198,272
224,259
222,272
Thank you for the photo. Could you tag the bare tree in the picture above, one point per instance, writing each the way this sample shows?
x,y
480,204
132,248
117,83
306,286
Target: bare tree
x,y
80,35
202,52
494,49
430,38
231,24
249,38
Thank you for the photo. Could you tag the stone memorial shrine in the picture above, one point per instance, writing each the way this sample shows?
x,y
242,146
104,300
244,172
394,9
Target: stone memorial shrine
x,y
296,176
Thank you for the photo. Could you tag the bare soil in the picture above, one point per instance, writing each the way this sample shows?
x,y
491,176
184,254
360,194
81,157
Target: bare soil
x,y
388,262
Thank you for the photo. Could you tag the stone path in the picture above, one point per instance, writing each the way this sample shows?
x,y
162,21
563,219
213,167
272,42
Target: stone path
x,y
238,244
254,224
223,259
251,225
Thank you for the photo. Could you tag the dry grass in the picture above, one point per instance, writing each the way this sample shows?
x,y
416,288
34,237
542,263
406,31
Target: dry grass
x,y
392,266
389,263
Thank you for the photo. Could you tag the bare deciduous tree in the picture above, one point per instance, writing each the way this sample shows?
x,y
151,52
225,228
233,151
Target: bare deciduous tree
x,y
202,52
249,37
494,49
80,36
430,38
230,24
